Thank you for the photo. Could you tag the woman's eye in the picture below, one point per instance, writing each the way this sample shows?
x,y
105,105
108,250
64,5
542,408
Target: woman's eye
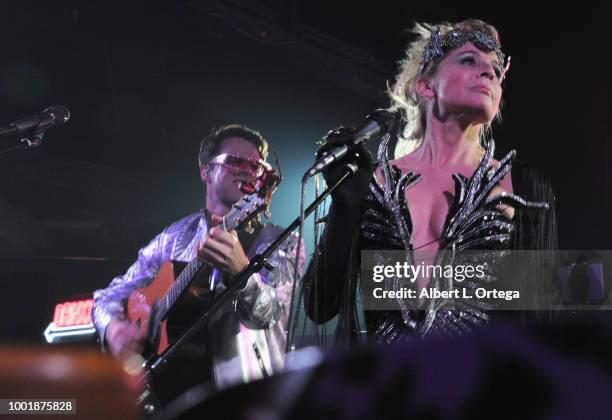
x,y
468,60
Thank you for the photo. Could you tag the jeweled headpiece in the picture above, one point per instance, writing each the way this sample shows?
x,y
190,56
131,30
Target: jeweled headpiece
x,y
439,45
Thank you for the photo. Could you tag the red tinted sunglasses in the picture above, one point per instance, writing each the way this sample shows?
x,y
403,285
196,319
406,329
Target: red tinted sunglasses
x,y
236,164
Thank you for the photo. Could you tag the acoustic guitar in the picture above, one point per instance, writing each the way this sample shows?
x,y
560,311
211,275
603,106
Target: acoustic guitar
x,y
148,307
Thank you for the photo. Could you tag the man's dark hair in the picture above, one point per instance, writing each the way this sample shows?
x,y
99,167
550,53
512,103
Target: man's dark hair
x,y
211,143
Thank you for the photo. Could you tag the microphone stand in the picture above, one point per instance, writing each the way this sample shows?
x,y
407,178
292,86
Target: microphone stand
x,y
157,363
27,142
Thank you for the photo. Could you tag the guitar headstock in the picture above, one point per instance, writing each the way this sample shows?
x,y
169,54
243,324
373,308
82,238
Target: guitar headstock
x,y
258,195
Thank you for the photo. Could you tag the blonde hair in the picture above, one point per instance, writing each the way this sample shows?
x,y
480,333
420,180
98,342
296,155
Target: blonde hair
x,y
403,92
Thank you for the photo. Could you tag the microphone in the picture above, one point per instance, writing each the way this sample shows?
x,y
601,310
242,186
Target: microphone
x,y
376,125
49,117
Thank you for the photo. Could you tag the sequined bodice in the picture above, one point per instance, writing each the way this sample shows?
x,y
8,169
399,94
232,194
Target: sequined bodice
x,y
474,222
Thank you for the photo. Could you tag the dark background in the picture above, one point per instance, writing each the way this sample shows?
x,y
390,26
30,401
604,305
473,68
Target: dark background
x,y
146,80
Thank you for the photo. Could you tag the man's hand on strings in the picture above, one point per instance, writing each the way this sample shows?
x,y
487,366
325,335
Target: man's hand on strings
x,y
222,250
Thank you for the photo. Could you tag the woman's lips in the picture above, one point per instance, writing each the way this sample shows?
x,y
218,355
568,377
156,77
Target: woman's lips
x,y
482,89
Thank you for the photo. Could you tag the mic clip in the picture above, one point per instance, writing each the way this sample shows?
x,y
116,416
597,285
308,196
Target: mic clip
x,y
34,140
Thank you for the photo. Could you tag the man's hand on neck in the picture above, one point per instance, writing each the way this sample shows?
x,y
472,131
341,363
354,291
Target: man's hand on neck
x,y
222,249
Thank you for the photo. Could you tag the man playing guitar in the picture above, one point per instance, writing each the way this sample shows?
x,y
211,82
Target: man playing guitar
x,y
246,340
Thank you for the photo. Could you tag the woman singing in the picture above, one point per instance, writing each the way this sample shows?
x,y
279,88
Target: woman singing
x,y
447,191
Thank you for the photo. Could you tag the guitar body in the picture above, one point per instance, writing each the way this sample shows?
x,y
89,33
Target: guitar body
x,y
141,302
140,310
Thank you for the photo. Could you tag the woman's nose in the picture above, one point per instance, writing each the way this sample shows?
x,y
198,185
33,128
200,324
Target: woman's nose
x,y
488,71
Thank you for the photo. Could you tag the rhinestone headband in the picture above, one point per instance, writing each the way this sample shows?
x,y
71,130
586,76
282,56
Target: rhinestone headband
x,y
439,45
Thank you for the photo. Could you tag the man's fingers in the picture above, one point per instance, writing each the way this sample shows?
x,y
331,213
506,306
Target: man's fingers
x,y
215,245
125,337
222,250
128,345
134,346
211,256
227,238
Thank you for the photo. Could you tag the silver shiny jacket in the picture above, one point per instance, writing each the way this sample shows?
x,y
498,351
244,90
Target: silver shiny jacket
x,y
252,338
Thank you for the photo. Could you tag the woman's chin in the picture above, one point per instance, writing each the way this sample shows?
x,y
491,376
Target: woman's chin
x,y
475,112
477,118
483,114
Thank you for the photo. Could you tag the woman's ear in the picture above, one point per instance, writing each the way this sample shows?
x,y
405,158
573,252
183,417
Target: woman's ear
x,y
423,87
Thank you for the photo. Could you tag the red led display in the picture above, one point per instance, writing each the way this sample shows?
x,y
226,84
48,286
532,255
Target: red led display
x,y
69,314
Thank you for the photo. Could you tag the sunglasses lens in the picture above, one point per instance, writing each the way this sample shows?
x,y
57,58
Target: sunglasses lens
x,y
233,161
239,164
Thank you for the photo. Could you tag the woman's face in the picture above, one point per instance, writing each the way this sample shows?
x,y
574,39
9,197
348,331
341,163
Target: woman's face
x,y
468,82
